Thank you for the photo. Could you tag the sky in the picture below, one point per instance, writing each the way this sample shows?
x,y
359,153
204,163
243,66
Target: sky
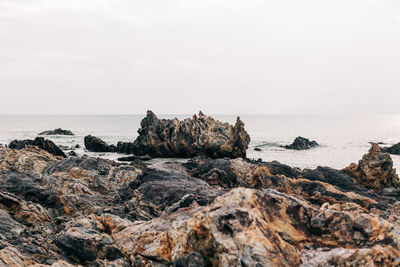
x,y
218,56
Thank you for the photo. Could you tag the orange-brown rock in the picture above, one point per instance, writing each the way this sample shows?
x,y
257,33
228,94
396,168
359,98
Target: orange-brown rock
x,y
256,228
207,212
375,170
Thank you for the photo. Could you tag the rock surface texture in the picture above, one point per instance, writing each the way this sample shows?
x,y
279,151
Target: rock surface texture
x,y
57,131
301,143
84,211
375,170
39,142
200,135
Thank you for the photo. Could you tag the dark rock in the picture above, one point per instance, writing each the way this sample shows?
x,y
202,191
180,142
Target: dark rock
x,y
72,154
57,131
95,144
257,149
395,149
301,143
161,189
39,142
190,137
125,148
133,158
77,146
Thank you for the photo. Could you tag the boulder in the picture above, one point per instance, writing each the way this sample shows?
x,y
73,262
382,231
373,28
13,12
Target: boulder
x,y
95,144
301,143
395,149
375,170
57,131
39,142
190,137
125,148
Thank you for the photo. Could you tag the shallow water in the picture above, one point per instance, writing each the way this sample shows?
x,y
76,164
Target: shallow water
x,y
343,139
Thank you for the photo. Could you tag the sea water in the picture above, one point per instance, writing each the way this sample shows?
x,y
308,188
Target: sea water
x,y
342,139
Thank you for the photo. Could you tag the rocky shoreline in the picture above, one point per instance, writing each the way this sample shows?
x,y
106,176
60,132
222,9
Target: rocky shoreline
x,y
216,209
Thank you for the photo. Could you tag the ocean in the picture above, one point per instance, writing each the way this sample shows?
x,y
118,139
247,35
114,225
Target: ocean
x,y
342,139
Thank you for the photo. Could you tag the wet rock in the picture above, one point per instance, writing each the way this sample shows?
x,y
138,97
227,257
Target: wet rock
x,y
190,137
375,170
395,149
125,148
72,154
95,144
57,131
133,158
301,143
39,142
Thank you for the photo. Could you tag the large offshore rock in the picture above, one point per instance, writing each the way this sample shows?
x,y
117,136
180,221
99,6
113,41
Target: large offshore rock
x,y
375,170
301,143
39,142
57,131
191,137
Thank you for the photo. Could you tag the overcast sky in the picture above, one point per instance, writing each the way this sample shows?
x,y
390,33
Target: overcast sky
x,y
220,56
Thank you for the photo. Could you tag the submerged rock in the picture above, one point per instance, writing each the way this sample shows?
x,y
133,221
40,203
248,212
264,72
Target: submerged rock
x,y
375,170
190,137
39,142
301,143
95,144
57,131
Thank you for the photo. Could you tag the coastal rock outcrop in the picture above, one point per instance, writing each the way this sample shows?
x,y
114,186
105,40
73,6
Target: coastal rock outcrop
x,y
57,131
95,144
190,137
39,142
206,212
375,170
301,143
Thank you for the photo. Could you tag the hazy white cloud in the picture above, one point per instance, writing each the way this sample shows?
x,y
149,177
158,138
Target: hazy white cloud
x,y
256,56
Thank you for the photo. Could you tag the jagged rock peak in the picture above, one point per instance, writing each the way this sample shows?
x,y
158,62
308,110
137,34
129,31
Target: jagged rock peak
x,y
375,170
199,135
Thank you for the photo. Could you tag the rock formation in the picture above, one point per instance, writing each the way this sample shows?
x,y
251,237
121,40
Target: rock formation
x,y
301,143
375,170
39,142
95,144
57,131
84,211
200,135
